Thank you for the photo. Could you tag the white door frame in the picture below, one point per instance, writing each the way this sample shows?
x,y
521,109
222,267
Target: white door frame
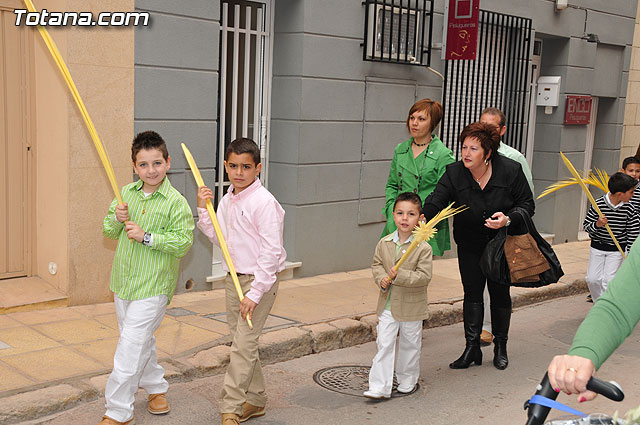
x,y
588,157
536,61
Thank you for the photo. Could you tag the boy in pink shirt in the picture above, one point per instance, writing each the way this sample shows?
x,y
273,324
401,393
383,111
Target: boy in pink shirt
x,y
252,223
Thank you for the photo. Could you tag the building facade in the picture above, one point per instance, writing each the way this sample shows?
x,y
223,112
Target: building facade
x,y
291,75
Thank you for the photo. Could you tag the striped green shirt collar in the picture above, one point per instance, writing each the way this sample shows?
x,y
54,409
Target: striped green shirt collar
x,y
164,188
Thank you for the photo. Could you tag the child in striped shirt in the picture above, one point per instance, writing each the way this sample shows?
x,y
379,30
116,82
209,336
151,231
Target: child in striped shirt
x,y
605,258
154,229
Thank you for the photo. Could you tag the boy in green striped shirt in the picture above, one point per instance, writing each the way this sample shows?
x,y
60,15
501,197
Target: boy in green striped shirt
x,y
154,229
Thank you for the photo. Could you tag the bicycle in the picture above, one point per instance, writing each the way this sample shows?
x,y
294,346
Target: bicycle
x,y
543,401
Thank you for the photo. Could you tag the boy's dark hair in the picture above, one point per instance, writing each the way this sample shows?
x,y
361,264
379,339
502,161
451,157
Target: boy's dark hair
x,y
409,197
620,182
629,160
486,134
148,140
497,112
243,145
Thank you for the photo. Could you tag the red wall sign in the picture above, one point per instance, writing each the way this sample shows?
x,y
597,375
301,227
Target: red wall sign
x,y
578,110
462,29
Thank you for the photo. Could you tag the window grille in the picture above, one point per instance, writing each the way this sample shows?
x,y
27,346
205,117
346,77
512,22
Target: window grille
x,y
398,31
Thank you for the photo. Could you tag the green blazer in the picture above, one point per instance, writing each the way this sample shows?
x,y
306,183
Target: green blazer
x,y
405,177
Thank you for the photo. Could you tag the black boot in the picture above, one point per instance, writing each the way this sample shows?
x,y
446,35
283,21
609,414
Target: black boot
x,y
500,319
472,313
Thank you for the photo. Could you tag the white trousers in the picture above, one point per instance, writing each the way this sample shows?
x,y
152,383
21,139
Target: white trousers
x,y
135,363
486,323
603,266
408,359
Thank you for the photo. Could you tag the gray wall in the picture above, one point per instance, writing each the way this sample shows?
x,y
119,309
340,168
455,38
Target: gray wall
x,y
335,123
176,94
597,69
336,119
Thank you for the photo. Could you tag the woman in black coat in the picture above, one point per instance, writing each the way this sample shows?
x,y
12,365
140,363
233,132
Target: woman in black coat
x,y
491,186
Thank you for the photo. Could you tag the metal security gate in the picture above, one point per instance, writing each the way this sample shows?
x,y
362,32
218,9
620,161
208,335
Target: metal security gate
x,y
499,78
245,76
246,47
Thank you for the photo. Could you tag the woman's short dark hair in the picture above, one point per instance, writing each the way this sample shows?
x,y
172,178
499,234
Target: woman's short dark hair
x,y
620,182
431,107
243,145
486,134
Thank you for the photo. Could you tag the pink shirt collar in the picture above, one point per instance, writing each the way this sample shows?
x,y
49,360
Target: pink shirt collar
x,y
247,192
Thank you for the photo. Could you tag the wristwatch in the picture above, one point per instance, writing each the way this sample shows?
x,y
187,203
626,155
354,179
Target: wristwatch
x,y
508,222
146,240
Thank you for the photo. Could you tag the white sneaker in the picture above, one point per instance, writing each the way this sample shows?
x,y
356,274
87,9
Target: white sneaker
x,y
375,396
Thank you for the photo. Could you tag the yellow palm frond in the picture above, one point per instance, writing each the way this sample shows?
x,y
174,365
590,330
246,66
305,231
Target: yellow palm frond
x,y
425,231
599,179
591,199
558,185
603,179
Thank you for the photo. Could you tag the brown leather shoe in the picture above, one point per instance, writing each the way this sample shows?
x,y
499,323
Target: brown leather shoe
x,y
486,337
158,404
108,421
230,419
250,411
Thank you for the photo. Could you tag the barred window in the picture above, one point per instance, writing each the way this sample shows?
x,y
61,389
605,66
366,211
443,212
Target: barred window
x,y
398,31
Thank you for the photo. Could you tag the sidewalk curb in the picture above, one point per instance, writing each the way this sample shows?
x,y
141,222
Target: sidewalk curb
x,y
275,346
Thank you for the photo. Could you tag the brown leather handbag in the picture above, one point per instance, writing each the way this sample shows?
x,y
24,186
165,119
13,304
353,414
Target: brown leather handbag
x,y
524,259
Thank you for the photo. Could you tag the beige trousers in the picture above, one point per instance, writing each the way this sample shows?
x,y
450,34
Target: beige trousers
x,y
244,380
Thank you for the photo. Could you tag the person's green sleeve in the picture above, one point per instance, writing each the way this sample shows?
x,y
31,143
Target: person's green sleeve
x,y
614,314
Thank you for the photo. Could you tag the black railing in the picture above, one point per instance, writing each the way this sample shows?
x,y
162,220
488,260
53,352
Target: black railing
x,y
499,77
398,31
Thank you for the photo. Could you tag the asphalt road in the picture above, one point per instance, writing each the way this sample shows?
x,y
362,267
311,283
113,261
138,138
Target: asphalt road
x,y
479,395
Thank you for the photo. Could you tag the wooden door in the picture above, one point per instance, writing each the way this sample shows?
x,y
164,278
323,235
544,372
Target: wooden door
x,y
14,143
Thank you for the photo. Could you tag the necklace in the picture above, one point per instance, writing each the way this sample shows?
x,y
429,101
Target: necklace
x,y
421,144
480,178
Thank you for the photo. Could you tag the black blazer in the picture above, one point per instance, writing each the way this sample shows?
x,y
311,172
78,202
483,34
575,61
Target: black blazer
x,y
507,189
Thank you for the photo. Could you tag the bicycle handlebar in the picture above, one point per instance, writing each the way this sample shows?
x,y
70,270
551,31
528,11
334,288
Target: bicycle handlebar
x,y
537,414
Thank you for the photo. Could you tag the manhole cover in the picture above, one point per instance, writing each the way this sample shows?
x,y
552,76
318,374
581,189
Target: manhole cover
x,y
351,380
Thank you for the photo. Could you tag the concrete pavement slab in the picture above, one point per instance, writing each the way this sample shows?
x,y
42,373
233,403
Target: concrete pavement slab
x,y
12,379
178,338
8,322
24,340
101,351
76,331
310,315
93,310
53,364
46,316
216,326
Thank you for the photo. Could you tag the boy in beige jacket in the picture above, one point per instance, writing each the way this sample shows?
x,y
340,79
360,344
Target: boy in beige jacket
x,y
402,304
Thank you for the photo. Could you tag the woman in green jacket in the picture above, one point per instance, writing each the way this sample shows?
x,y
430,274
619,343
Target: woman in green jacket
x,y
610,320
418,164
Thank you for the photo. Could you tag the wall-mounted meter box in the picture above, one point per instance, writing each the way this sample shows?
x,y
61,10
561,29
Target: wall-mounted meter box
x,y
548,91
